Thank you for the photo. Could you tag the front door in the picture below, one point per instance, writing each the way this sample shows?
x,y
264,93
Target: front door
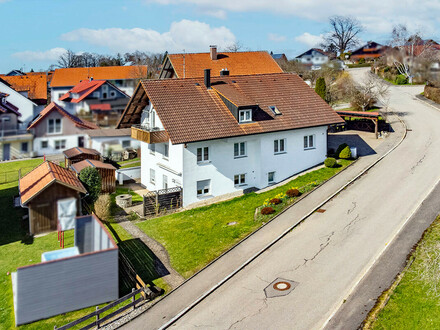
x,y
6,151
80,141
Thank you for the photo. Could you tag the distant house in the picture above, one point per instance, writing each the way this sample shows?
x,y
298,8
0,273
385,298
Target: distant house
x,y
78,154
32,85
279,58
314,58
106,172
15,142
221,135
40,190
221,63
103,139
98,98
56,130
123,77
369,51
15,73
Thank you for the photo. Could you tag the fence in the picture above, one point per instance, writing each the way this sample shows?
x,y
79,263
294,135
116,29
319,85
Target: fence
x,y
13,176
162,200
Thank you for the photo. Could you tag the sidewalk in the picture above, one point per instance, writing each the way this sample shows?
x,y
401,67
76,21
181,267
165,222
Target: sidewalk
x,y
195,287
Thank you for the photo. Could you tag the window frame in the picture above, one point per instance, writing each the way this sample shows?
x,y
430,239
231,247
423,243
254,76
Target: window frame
x,y
204,153
124,142
306,141
239,154
60,144
206,186
240,180
45,142
164,181
166,151
24,144
273,177
277,145
244,112
54,120
152,148
152,176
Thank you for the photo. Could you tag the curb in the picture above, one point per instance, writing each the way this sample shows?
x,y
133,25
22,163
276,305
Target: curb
x,y
247,262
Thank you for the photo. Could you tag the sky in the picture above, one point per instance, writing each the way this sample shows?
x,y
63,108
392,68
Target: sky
x,y
35,32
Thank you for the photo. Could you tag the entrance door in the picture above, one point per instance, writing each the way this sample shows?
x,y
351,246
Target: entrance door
x,y
6,151
80,141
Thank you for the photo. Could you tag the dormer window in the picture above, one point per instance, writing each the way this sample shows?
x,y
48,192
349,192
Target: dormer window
x,y
245,116
274,110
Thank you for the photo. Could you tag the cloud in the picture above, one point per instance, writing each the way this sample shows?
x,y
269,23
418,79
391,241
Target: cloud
x,y
276,37
189,35
40,56
310,39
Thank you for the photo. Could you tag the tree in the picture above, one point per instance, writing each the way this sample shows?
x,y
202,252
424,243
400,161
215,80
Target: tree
x,y
320,87
92,182
342,34
235,47
370,91
68,60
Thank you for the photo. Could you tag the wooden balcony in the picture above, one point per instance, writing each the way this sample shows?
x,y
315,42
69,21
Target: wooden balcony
x,y
149,135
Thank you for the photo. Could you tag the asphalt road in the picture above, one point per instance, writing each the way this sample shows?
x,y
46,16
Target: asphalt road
x,y
330,252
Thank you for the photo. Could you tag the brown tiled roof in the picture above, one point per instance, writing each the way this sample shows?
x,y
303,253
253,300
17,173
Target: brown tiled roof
x,y
81,123
190,112
75,151
238,63
108,132
233,93
43,176
72,76
78,167
34,83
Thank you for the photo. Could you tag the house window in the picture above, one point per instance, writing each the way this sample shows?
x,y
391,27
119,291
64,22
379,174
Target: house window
x,y
60,144
96,94
165,182
275,110
152,176
24,147
240,179
244,116
60,95
152,148
104,91
309,142
239,149
54,126
153,119
44,144
112,94
126,144
166,151
279,146
271,177
203,187
202,154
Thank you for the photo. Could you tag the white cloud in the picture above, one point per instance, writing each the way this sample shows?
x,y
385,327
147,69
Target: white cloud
x,y
276,37
40,56
189,35
310,39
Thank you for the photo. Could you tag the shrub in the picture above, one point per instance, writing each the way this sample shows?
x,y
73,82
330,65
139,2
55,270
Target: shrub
x,y
293,192
102,207
330,152
340,148
330,162
267,210
320,87
361,61
401,80
345,153
275,201
92,182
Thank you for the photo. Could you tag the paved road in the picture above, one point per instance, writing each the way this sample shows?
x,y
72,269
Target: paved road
x,y
330,252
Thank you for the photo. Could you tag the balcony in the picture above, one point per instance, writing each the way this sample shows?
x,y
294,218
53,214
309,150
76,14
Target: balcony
x,y
15,135
149,134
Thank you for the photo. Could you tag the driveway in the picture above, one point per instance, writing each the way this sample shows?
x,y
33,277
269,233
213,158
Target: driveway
x,y
329,253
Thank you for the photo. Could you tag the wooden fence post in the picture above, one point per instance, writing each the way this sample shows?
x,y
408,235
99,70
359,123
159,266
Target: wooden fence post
x,y
97,318
133,299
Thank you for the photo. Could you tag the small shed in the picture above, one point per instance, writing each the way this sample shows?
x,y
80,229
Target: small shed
x,y
77,154
106,171
40,190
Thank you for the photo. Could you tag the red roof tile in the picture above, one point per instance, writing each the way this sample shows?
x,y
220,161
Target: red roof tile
x,y
78,167
75,151
34,83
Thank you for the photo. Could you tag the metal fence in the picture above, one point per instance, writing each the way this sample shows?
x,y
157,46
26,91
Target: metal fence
x,y
162,201
13,176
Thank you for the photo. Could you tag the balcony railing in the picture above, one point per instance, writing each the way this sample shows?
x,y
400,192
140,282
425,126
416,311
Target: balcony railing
x,y
148,134
10,134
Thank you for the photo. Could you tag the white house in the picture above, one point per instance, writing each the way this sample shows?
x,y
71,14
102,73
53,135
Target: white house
x,y
314,58
56,130
102,139
235,133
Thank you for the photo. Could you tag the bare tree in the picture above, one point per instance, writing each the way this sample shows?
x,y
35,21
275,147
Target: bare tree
x,y
367,93
342,34
235,47
68,60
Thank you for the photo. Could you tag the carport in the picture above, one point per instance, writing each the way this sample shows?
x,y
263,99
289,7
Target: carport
x,y
373,116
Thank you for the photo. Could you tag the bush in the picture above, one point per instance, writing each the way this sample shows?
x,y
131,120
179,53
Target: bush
x,y
330,152
320,87
267,210
340,148
102,207
345,153
361,61
92,182
401,80
275,201
293,192
330,162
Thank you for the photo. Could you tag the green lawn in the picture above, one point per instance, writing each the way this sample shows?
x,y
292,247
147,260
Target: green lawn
x,y
114,209
414,304
195,237
124,162
132,165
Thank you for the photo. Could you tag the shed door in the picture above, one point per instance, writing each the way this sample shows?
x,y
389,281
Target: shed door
x,y
43,218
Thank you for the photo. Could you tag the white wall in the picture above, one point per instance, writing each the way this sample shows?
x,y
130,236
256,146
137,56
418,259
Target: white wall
x,y
71,142
97,142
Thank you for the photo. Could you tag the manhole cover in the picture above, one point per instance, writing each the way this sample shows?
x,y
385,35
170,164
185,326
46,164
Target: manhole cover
x,y
280,287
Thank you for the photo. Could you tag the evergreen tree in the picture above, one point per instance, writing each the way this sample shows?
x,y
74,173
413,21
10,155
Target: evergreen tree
x,y
320,87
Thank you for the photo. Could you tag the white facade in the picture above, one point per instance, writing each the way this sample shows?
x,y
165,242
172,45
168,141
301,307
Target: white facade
x,y
314,58
48,145
100,143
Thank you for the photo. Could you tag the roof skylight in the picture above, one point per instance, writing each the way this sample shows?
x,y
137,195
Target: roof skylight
x,y
275,110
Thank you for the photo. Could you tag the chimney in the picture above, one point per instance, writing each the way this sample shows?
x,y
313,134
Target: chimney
x,y
224,72
208,78
213,52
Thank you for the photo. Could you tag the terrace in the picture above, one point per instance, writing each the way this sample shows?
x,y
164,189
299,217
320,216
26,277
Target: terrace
x,y
148,134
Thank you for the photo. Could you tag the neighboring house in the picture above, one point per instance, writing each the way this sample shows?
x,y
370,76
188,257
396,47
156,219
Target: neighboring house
x,y
102,139
314,58
224,63
78,154
32,85
56,130
123,77
107,172
40,190
235,133
15,142
99,99
28,109
15,73
279,58
370,51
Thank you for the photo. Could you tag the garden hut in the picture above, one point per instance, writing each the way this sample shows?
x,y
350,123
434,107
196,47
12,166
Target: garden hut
x,y
106,171
78,154
40,191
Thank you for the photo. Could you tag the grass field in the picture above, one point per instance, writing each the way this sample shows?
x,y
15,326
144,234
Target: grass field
x,y
131,165
195,237
414,304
